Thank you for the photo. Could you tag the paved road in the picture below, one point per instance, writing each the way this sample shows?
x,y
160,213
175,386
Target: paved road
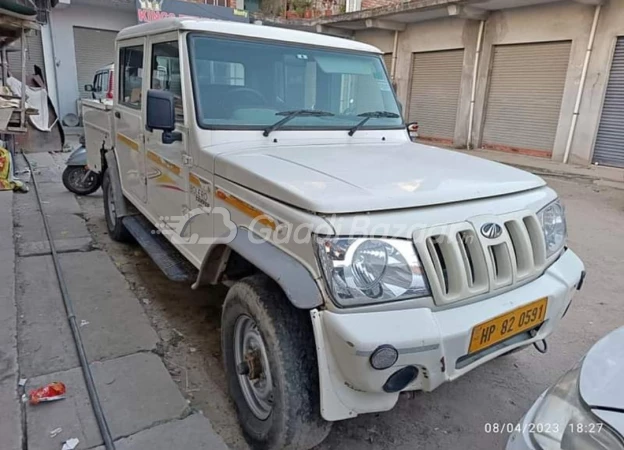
x,y
452,417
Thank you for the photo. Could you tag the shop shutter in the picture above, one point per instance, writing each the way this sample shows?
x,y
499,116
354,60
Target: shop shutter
x,y
609,147
434,96
34,56
387,57
94,50
524,96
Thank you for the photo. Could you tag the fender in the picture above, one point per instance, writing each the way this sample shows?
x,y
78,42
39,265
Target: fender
x,y
121,204
294,279
78,157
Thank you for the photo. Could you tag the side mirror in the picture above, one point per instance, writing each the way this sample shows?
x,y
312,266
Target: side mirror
x,y
412,130
161,115
89,88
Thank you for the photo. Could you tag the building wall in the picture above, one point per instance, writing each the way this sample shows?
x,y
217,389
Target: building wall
x,y
541,23
62,22
544,23
610,26
440,34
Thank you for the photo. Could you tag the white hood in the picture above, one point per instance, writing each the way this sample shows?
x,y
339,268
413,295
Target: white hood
x,y
602,373
369,177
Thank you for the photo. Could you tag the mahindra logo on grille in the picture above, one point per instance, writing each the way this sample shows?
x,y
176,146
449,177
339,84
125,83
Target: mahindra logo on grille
x,y
491,230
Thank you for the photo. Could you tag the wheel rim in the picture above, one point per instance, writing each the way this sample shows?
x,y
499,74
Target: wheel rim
x,y
76,177
110,202
252,365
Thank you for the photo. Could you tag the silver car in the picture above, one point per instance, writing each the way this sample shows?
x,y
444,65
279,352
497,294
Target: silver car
x,y
584,409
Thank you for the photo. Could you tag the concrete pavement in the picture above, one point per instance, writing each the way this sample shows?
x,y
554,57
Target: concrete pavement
x,y
143,406
10,413
599,175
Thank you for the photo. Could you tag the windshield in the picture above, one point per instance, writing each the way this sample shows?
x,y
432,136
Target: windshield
x,y
243,84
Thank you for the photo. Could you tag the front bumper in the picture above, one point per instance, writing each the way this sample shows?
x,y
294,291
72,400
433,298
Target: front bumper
x,y
436,342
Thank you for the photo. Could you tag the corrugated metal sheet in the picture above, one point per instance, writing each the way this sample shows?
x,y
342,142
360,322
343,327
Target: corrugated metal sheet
x,y
94,49
434,96
34,56
524,98
609,148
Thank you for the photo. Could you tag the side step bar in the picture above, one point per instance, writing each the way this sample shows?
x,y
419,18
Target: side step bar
x,y
165,255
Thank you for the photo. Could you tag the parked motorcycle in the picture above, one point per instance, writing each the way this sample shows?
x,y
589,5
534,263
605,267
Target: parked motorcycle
x,y
77,177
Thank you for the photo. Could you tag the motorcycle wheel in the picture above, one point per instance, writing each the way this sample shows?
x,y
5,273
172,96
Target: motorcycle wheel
x,y
72,180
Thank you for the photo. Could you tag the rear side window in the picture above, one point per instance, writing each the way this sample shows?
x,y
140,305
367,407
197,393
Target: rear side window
x,y
103,82
97,82
131,76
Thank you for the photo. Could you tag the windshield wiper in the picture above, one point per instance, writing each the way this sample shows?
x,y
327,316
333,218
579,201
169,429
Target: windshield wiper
x,y
372,115
291,115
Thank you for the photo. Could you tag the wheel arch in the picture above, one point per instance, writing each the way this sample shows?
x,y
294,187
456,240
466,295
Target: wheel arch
x,y
110,165
292,276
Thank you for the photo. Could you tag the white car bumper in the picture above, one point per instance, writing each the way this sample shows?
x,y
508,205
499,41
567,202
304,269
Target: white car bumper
x,y
435,342
520,439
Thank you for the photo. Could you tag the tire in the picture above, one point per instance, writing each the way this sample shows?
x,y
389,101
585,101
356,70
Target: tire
x,y
71,180
294,421
116,229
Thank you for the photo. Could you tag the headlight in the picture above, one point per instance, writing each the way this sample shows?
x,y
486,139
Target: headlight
x,y
562,421
363,271
552,219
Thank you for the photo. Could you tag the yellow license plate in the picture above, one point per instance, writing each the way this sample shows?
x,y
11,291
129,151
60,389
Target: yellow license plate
x,y
508,325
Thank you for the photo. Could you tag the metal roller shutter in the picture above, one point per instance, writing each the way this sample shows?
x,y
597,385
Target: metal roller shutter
x,y
609,148
34,56
94,49
387,57
434,96
524,99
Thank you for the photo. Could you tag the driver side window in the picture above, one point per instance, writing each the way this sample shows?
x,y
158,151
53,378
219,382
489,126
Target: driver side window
x,y
166,73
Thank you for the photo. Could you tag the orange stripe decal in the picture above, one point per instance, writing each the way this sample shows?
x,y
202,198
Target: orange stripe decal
x,y
247,209
134,145
194,180
163,163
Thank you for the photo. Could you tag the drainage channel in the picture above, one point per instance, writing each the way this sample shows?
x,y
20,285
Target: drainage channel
x,y
71,317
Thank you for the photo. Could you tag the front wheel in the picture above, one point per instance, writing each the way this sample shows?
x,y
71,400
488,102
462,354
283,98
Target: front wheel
x,y
81,181
116,229
270,362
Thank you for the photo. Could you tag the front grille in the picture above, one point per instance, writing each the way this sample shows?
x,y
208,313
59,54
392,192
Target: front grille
x,y
461,263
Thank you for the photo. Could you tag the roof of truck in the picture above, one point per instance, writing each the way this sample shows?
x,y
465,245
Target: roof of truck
x,y
243,29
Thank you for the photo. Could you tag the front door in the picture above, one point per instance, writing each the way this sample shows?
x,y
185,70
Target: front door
x,y
167,164
129,120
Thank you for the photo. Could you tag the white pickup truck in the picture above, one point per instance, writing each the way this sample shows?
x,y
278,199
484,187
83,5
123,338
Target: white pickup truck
x,y
360,265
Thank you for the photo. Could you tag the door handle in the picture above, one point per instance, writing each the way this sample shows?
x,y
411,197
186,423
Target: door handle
x,y
118,114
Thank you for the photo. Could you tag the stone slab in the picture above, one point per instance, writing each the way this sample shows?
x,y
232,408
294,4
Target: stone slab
x,y
74,414
195,432
55,199
82,244
10,410
136,393
10,417
8,318
30,228
117,324
6,220
45,340
114,321
46,167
